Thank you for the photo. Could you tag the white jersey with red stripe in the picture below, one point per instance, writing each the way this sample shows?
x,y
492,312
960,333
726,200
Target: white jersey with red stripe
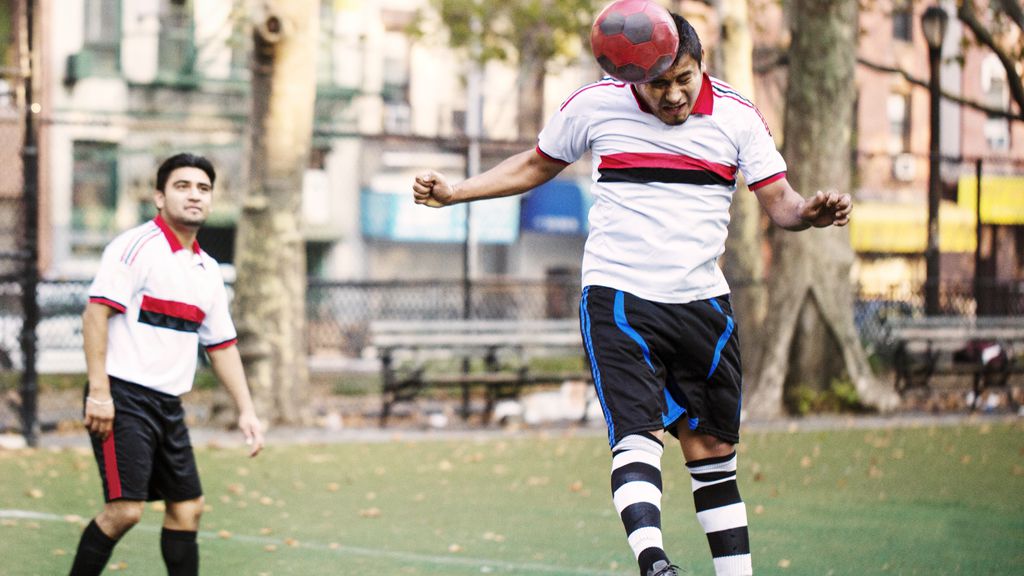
x,y
171,299
661,193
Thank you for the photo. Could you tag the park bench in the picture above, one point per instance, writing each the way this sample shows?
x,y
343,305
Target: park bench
x,y
988,349
494,355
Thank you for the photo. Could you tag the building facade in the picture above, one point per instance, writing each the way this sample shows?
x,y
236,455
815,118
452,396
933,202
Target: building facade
x,y
127,82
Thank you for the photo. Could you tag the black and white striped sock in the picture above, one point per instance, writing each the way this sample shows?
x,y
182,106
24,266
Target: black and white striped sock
x,y
636,492
721,513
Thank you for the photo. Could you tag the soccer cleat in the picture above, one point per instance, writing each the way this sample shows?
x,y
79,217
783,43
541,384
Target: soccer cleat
x,y
663,568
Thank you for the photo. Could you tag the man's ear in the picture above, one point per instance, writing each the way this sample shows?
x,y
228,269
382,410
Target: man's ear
x,y
158,199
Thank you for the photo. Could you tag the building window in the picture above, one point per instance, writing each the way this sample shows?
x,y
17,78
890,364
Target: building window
x,y
395,89
103,36
325,45
903,20
996,94
93,196
8,71
6,35
898,110
240,41
176,52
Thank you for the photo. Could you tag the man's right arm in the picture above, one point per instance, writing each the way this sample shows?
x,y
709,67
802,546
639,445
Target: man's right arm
x,y
515,175
99,406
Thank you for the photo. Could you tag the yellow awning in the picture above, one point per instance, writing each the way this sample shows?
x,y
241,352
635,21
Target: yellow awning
x,y
903,228
1002,198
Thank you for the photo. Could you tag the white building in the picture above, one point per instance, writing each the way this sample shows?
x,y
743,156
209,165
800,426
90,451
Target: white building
x,y
130,82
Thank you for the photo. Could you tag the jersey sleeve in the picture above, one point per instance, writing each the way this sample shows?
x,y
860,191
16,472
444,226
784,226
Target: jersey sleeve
x,y
218,330
116,280
759,159
565,137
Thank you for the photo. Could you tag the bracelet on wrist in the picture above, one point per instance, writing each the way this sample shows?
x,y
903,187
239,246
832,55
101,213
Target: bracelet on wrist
x,y
99,402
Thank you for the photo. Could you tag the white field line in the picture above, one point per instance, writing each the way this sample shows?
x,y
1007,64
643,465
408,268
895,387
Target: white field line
x,y
486,566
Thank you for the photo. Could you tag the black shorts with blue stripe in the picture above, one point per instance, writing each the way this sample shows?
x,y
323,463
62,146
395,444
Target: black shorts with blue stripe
x,y
659,366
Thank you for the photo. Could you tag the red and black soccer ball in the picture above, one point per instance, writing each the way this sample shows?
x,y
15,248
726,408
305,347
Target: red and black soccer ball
x,y
634,40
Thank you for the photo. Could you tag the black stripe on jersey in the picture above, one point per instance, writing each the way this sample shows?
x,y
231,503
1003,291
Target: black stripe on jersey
x,y
164,321
635,472
731,542
669,175
641,515
716,496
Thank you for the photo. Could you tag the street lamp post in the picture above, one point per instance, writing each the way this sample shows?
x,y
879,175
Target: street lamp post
x,y
933,24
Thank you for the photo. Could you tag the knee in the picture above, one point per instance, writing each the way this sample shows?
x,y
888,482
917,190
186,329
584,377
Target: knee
x,y
119,516
184,515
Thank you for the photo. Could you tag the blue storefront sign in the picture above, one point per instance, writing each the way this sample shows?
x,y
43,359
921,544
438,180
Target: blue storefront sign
x,y
557,207
394,216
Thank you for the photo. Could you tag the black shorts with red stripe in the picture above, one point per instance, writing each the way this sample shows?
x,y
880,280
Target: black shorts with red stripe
x,y
148,455
661,366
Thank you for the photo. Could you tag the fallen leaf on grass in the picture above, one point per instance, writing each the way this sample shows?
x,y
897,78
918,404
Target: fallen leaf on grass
x,y
34,493
60,552
73,518
265,531
576,486
236,488
492,537
333,487
334,545
759,509
122,565
454,548
966,459
291,542
784,563
370,513
806,462
266,500
223,534
270,547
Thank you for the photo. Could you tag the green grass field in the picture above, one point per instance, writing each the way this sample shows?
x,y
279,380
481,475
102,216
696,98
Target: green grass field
x,y
929,500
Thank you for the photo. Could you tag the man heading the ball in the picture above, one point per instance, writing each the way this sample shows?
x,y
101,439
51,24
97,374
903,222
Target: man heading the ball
x,y
655,315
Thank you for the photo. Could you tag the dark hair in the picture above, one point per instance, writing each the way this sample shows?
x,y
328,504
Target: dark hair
x,y
689,42
183,160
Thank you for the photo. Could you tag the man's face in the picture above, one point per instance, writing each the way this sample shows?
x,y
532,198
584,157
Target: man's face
x,y
672,95
186,198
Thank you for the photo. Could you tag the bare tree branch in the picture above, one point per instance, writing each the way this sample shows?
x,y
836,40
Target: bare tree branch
x,y
969,17
948,96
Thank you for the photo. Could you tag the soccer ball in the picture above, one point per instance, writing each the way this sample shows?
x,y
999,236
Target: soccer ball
x,y
634,40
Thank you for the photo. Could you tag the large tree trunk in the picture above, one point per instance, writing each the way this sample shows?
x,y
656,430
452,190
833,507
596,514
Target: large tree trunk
x,y
743,263
810,309
270,260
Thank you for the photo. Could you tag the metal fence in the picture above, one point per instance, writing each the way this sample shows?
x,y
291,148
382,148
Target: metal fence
x,y
339,313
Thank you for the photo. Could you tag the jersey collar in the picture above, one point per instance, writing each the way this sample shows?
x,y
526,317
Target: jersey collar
x,y
705,100
172,240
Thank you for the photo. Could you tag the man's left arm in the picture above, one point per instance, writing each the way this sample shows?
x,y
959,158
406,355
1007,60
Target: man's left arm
x,y
788,209
227,365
